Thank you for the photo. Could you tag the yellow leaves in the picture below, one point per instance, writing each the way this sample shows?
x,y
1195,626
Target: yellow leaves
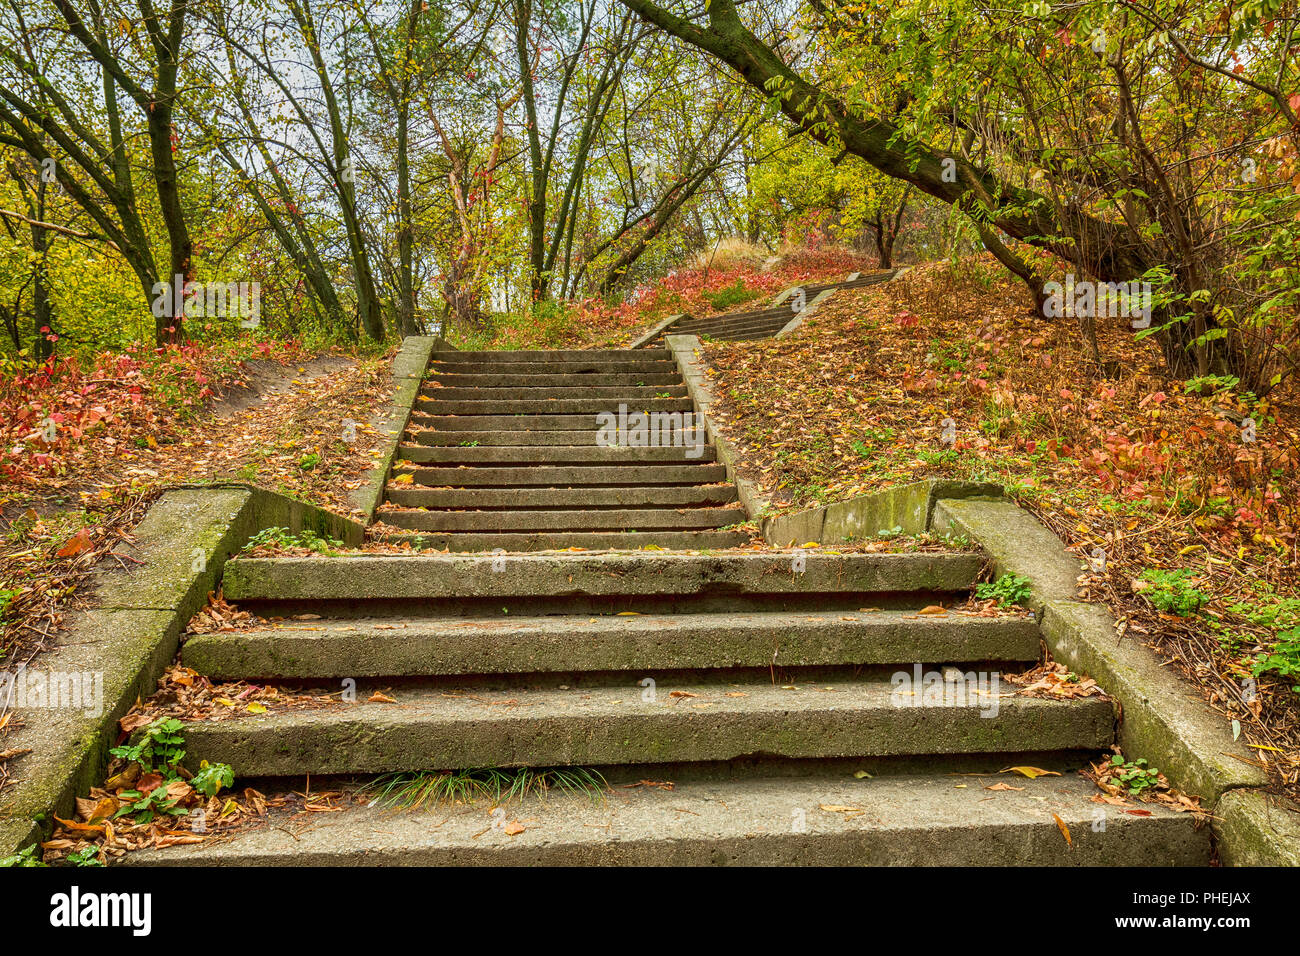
x,y
1065,831
403,479
379,697
1032,773
256,708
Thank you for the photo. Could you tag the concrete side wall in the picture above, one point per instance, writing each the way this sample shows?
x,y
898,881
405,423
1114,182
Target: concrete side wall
x,y
125,643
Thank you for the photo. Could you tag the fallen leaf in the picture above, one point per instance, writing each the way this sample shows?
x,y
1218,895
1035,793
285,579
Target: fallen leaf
x,y
1031,772
79,543
1065,831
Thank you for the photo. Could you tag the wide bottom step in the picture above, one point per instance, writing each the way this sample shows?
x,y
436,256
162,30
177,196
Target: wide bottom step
x,y
826,821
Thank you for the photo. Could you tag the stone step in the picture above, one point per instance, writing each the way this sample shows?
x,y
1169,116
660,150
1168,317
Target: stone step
x,y
481,498
434,437
632,394
555,406
444,726
745,336
641,519
548,355
730,334
449,423
432,647
633,364
565,476
510,380
556,454
469,542
785,313
897,820
378,576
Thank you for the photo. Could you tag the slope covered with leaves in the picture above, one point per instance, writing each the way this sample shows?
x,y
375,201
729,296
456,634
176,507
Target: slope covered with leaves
x,y
87,447
723,282
945,372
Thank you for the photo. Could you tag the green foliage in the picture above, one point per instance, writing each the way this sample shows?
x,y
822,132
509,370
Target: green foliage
x,y
1172,591
158,750
1007,590
282,539
143,807
86,856
1283,660
1134,775
211,778
23,858
734,294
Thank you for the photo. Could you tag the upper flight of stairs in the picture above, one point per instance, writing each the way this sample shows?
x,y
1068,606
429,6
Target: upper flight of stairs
x,y
506,452
765,322
742,707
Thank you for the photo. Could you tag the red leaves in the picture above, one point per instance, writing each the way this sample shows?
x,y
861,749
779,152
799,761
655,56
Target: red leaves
x,y
79,543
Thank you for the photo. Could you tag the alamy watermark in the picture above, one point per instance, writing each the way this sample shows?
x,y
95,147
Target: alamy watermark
x,y
1087,299
624,429
218,300
53,690
950,687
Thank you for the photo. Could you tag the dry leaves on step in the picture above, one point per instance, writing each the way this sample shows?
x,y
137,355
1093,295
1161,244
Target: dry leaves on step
x,y
1053,680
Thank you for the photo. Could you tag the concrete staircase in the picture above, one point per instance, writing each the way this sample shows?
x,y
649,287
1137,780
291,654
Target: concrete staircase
x,y
506,451
765,322
744,708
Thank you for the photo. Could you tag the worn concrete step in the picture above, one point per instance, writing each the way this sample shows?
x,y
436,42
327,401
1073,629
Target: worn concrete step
x,y
422,420
873,279
481,498
831,820
721,331
557,454
632,394
565,476
428,576
744,336
634,363
511,380
432,647
442,726
465,437
590,519
471,542
547,355
555,406
743,319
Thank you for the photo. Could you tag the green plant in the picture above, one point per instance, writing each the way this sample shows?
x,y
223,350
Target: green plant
x,y
1283,660
1172,591
309,461
86,856
145,806
411,791
1007,590
159,748
280,539
1134,775
734,294
23,858
211,778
